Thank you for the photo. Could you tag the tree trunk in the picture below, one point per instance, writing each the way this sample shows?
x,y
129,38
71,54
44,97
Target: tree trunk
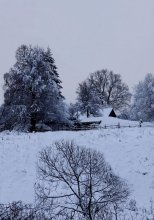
x,y
33,122
33,115
88,112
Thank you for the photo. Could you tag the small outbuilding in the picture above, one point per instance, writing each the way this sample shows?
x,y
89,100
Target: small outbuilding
x,y
112,114
109,112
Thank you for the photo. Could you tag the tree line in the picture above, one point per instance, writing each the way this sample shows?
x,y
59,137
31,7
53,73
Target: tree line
x,y
33,99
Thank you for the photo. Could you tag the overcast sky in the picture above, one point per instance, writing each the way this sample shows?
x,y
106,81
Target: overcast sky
x,y
84,35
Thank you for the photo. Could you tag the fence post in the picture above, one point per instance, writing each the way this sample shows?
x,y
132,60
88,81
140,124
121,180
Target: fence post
x,y
118,125
140,123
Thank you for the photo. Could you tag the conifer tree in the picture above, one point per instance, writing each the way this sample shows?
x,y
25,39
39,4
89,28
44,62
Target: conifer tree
x,y
33,89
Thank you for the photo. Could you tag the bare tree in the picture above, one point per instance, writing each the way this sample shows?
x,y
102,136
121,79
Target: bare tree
x,y
103,88
88,100
76,183
99,80
117,92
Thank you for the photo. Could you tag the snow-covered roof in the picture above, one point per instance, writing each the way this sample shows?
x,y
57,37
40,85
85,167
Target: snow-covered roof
x,y
106,111
84,118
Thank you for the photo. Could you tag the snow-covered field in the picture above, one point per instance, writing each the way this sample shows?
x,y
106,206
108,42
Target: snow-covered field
x,y
130,152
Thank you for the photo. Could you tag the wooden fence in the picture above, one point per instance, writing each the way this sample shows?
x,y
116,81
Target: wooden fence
x,y
83,126
125,126
115,126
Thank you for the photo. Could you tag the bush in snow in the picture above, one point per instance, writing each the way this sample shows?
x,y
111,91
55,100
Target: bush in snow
x,y
133,212
18,211
77,183
21,211
32,91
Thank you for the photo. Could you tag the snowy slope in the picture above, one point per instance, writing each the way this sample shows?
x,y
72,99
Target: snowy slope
x,y
130,151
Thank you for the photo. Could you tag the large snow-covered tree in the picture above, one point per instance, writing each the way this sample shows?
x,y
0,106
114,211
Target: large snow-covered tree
x,y
32,91
103,88
143,103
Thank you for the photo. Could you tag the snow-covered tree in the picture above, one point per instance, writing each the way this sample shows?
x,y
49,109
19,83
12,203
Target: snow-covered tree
x,y
32,89
87,99
143,103
103,88
73,111
118,95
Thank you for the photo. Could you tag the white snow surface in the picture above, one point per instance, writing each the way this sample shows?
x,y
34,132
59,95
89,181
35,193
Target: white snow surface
x,y
130,152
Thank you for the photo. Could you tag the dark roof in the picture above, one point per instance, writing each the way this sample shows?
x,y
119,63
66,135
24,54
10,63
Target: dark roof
x,y
112,113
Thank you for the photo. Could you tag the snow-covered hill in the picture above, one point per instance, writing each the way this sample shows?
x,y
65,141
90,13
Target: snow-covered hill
x,y
130,152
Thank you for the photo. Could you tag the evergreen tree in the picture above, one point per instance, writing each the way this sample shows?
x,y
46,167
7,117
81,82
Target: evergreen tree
x,y
33,87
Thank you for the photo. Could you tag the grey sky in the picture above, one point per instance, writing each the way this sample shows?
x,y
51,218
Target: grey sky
x,y
84,35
